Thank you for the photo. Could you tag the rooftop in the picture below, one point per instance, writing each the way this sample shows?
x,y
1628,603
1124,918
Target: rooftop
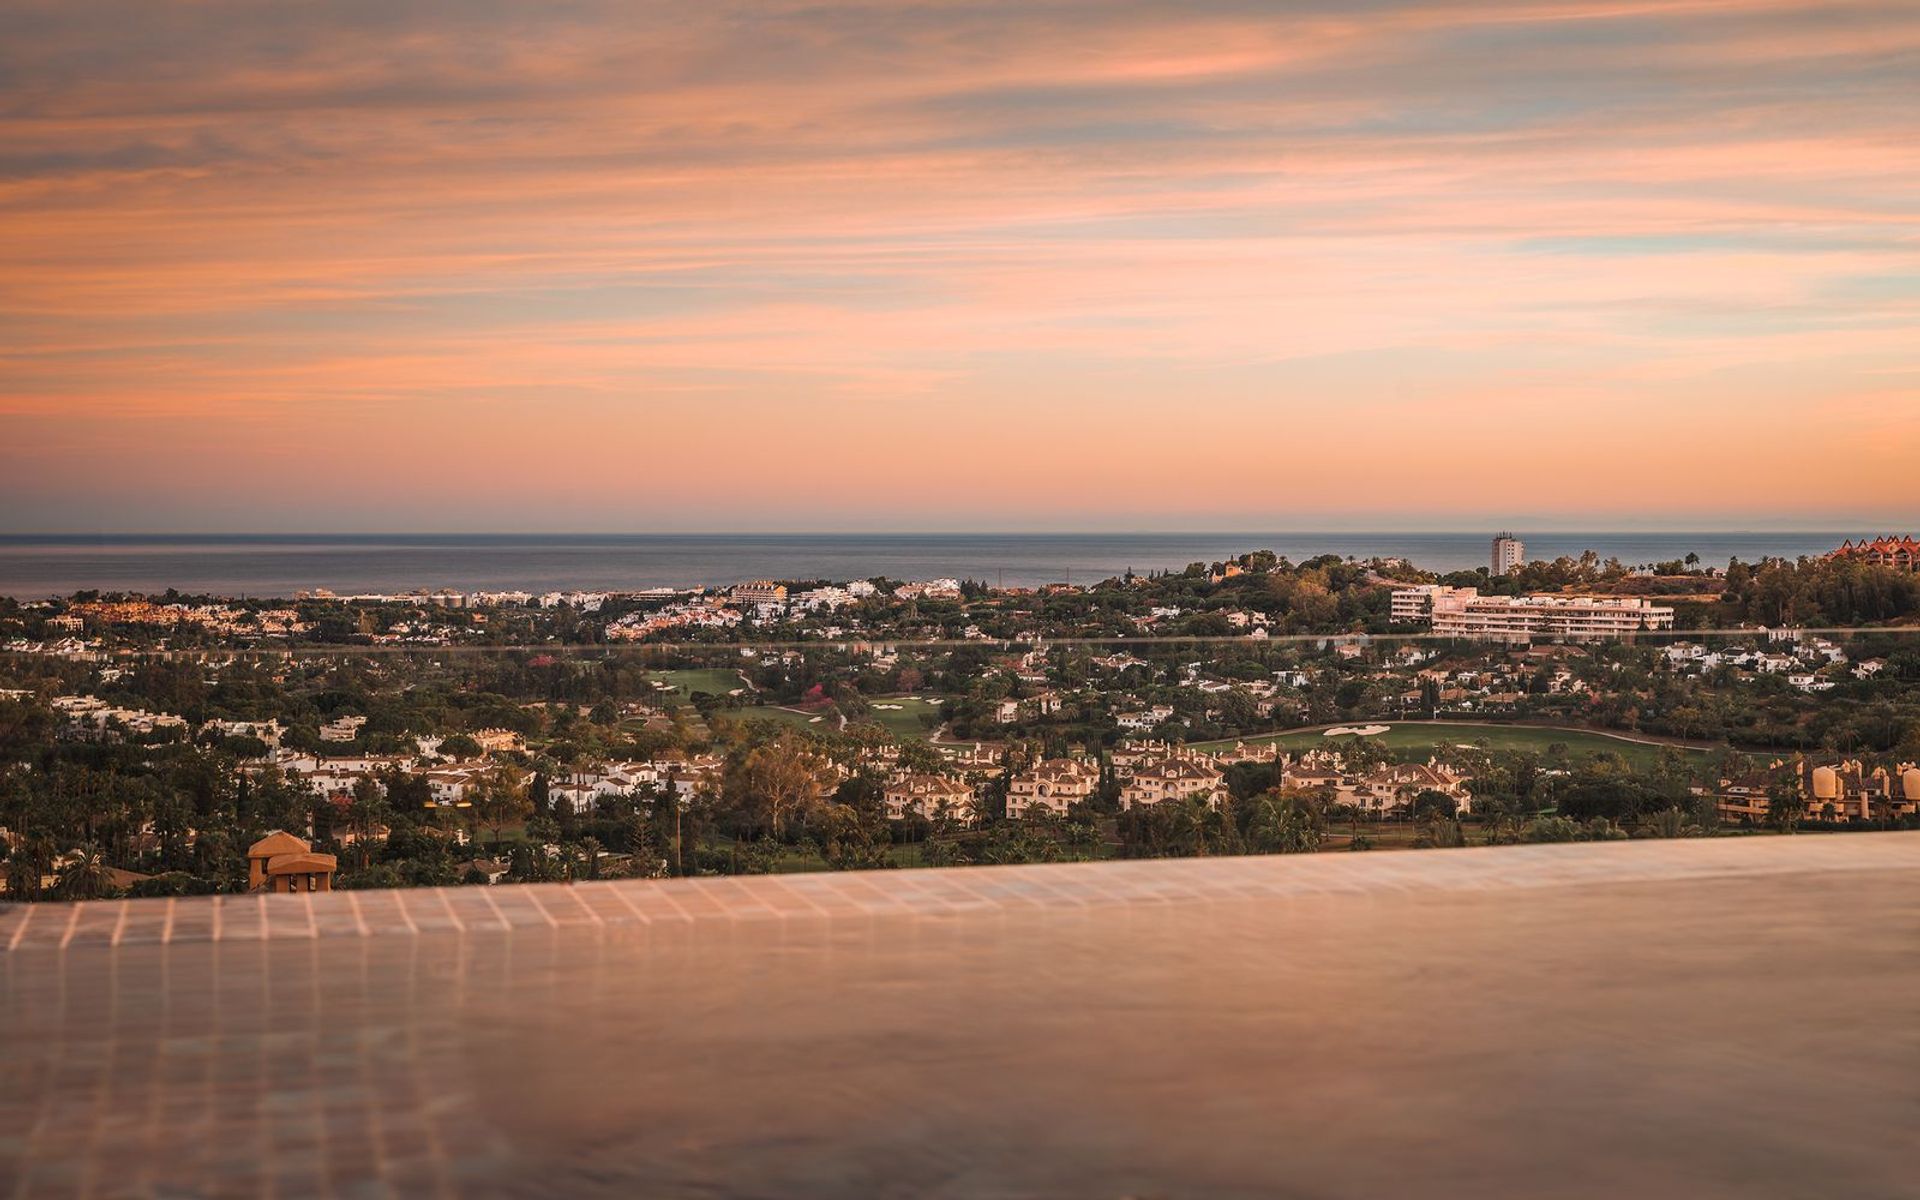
x,y
1698,1018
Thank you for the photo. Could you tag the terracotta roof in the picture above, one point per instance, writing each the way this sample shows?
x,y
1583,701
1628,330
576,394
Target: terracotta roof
x,y
290,864
279,842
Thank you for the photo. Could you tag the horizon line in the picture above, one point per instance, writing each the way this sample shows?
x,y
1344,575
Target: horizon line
x,y
1488,531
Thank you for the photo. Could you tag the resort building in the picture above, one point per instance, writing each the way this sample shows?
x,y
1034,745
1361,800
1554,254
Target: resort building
x,y
929,796
760,593
1851,791
1414,605
1392,789
1843,791
498,741
1051,785
1464,613
1900,553
1173,778
976,757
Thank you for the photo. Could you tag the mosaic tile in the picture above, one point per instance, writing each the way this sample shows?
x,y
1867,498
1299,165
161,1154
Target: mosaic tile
x,y
1055,890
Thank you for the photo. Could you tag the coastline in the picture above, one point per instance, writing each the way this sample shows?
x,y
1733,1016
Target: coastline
x,y
235,565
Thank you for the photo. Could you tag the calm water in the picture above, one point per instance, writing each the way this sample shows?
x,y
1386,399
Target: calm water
x,y
1651,1019
278,565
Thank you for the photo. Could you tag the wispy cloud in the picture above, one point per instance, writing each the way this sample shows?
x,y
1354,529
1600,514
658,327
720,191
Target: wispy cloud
x,y
356,264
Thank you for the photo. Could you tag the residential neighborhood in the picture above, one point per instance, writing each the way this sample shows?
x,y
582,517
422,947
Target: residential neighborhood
x,y
1246,705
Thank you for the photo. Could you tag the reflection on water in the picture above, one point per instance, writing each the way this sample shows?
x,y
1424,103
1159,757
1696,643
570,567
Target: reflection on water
x,y
1739,1036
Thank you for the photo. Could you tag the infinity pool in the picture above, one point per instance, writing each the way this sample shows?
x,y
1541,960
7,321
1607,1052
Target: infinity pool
x,y
1692,1019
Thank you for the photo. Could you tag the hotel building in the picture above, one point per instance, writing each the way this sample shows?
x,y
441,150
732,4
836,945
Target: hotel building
x,y
1465,613
1900,553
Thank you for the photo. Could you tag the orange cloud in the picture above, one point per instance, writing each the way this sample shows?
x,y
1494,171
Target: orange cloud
x,y
428,265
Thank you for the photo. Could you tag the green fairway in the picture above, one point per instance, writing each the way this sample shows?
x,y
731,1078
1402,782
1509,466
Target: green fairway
x,y
826,723
898,715
716,680
1413,739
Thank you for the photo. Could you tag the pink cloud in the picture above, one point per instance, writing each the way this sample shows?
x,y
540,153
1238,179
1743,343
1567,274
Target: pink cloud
x,y
1027,255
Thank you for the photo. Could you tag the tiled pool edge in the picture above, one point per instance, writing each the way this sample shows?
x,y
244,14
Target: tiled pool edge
x,y
934,892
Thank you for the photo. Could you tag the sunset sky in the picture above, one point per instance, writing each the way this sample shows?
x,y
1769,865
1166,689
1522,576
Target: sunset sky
x,y
893,264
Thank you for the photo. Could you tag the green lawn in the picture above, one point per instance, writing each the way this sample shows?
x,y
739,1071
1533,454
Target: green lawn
x,y
717,680
901,722
1416,739
793,860
904,721
768,712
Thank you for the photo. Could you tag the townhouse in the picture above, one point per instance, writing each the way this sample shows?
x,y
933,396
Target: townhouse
x,y
930,796
1174,777
1052,786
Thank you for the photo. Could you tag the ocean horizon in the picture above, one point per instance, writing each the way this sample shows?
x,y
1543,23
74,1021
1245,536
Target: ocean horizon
x,y
40,565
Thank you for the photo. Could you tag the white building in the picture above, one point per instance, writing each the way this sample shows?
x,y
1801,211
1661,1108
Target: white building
x,y
342,729
269,732
1173,778
1561,618
1508,553
1144,719
1414,605
1052,785
930,796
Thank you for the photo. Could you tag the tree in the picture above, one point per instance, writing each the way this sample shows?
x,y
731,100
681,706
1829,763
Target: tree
x,y
1439,832
851,840
498,799
1784,806
590,852
1363,754
85,878
778,781
366,812
24,728
1551,829
1670,823
30,862
1286,821
1617,798
637,826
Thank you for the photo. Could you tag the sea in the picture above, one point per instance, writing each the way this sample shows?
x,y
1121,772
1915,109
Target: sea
x,y
274,565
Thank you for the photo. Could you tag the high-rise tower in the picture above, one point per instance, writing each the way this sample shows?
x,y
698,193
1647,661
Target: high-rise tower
x,y
1508,552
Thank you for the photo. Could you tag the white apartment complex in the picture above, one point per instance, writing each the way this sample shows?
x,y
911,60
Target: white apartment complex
x,y
1173,777
1465,613
1569,618
1053,785
1415,605
930,796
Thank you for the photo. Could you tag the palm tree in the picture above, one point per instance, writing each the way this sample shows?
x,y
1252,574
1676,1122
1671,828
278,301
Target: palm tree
x,y
367,811
1670,823
1784,806
27,866
85,878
